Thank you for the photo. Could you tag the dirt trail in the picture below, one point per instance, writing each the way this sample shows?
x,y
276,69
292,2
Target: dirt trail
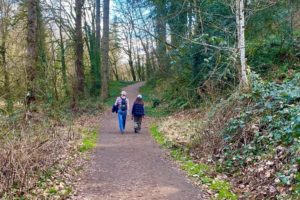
x,y
132,166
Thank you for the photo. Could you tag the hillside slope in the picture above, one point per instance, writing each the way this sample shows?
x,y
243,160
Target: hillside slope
x,y
251,137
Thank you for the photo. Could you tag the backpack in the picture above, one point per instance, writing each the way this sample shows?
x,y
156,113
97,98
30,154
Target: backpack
x,y
123,105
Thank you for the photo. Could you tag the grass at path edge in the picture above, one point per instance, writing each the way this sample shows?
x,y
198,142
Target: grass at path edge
x,y
89,140
199,171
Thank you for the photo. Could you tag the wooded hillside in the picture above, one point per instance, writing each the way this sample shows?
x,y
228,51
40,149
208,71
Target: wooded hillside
x,y
234,64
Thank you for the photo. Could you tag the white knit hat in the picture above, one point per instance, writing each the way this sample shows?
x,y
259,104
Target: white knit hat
x,y
140,96
123,93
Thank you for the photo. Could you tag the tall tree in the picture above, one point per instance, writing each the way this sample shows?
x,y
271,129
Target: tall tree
x,y
62,50
4,11
115,49
128,27
161,34
32,49
92,31
98,50
90,41
240,21
79,68
146,46
105,51
43,60
178,20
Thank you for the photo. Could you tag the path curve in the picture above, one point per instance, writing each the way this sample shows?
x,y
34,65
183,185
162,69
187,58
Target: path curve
x,y
132,166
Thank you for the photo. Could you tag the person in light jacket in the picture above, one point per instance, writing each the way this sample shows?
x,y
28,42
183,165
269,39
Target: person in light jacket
x,y
122,103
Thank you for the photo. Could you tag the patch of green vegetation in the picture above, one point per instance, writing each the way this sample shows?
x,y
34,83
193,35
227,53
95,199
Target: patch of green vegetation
x,y
157,135
273,115
44,177
276,108
296,187
153,104
52,191
89,140
115,88
90,105
223,189
199,171
66,192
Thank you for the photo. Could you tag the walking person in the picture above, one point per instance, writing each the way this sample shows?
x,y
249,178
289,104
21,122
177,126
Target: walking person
x,y
122,103
138,113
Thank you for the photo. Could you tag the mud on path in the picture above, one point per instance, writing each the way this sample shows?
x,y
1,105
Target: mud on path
x,y
132,166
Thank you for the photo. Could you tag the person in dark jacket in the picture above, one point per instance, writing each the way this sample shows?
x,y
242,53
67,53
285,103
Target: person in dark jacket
x,y
138,112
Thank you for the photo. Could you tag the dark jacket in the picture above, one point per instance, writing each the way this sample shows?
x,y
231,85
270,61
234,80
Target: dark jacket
x,y
138,109
114,109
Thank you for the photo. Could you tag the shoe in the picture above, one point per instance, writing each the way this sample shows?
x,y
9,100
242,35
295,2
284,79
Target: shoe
x,y
135,130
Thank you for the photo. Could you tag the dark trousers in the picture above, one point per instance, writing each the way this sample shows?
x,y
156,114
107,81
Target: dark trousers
x,y
137,122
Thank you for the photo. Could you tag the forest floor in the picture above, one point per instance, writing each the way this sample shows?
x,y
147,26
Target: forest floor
x,y
132,166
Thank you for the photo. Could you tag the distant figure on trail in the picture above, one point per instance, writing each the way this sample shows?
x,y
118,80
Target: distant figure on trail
x,y
138,112
122,103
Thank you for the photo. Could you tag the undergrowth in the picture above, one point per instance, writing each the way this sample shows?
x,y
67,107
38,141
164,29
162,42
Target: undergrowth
x,y
115,88
33,143
252,137
154,105
259,140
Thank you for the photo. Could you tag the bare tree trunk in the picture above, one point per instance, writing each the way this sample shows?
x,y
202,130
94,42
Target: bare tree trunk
x,y
114,68
148,60
54,78
130,62
199,21
240,14
146,50
116,71
291,20
105,50
5,73
62,56
98,46
79,70
139,68
32,53
4,30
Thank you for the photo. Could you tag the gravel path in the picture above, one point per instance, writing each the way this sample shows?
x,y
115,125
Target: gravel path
x,y
132,166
